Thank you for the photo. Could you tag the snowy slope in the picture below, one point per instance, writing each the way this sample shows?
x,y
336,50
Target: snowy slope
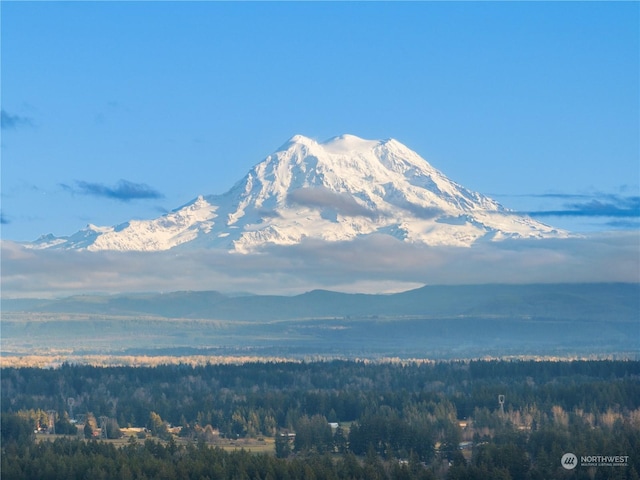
x,y
337,190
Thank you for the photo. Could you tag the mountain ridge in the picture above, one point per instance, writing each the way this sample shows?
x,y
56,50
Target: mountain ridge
x,y
338,190
577,301
437,322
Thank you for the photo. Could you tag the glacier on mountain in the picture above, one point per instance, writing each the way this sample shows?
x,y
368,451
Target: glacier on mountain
x,y
338,190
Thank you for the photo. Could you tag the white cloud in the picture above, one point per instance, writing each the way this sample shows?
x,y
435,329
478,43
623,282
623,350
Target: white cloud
x,y
375,264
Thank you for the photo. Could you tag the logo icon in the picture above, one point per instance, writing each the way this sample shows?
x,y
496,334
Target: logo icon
x,y
569,461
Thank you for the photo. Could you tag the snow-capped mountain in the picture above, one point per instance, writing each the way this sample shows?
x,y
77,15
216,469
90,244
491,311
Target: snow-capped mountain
x,y
338,190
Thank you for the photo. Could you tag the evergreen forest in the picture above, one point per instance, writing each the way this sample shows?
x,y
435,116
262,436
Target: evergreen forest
x,y
338,419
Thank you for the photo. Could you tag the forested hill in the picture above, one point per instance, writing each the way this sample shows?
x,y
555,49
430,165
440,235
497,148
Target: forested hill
x,y
588,301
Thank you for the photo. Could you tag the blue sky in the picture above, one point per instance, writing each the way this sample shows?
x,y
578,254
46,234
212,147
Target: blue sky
x,y
120,110
114,111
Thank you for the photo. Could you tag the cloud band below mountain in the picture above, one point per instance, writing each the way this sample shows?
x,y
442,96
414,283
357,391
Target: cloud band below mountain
x,y
372,264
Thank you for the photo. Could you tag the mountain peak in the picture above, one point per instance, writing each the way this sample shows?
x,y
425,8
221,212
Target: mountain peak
x,y
344,144
298,140
343,188
341,144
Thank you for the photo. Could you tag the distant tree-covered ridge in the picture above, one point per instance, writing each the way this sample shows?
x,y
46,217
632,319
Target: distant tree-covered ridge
x,y
438,322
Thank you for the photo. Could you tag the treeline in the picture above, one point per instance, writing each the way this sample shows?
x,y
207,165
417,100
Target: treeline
x,y
66,459
346,419
339,390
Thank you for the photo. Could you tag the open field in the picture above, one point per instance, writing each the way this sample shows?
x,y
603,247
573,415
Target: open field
x,y
253,445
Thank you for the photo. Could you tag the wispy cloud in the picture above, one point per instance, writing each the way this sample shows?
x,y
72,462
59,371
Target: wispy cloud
x,y
10,121
124,190
619,207
425,213
625,224
319,197
612,206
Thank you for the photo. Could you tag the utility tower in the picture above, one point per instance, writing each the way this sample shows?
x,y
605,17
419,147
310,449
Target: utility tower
x,y
501,402
51,422
70,402
103,427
